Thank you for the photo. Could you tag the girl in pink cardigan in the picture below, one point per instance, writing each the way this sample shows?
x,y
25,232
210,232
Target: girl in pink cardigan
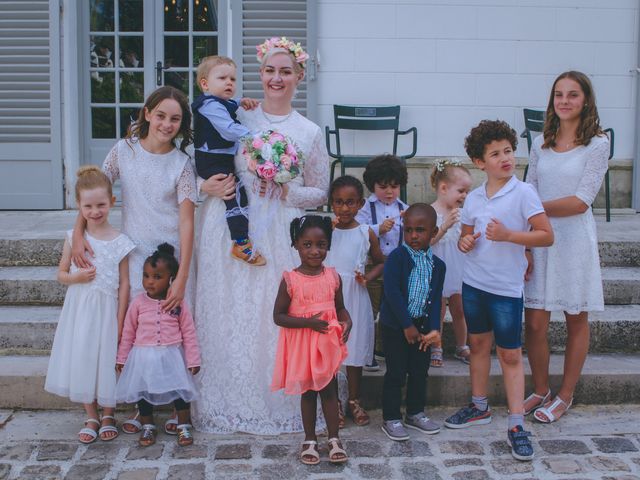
x,y
159,351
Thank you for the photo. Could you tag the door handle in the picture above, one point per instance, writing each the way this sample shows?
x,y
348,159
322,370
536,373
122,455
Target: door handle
x,y
159,69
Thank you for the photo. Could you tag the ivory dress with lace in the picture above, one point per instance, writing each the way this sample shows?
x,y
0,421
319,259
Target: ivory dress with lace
x,y
234,301
566,276
83,355
153,187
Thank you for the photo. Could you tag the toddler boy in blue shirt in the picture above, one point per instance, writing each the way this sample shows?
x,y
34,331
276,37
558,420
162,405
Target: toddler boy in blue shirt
x,y
410,322
217,132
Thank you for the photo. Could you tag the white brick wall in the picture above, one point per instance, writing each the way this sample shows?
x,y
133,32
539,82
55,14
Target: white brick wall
x,y
451,63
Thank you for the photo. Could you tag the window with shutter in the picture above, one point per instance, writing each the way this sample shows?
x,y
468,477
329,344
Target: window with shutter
x,y
30,137
260,19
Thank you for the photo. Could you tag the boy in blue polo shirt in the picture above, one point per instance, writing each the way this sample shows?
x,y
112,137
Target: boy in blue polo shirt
x,y
499,220
410,322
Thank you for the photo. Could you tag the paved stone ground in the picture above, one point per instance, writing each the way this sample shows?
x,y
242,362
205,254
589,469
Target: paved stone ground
x,y
594,442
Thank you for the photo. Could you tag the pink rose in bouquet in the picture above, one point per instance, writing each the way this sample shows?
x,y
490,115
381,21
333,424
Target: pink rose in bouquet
x,y
257,143
266,170
286,161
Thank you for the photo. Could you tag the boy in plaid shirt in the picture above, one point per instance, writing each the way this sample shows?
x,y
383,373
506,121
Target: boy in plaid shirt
x,y
410,322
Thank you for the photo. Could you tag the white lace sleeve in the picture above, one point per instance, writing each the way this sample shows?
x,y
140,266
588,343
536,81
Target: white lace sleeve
x,y
532,172
312,190
594,171
186,187
110,166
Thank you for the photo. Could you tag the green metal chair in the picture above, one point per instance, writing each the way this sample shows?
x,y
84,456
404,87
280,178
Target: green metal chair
x,y
534,122
366,118
612,138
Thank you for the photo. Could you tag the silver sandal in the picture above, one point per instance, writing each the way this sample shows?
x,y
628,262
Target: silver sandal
x,y
541,401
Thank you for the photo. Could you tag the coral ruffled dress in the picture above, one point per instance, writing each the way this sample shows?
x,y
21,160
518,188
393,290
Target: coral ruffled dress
x,y
306,359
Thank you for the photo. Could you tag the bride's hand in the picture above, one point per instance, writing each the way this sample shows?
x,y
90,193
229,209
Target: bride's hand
x,y
220,185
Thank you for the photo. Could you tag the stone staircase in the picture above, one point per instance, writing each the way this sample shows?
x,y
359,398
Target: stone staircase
x,y
30,300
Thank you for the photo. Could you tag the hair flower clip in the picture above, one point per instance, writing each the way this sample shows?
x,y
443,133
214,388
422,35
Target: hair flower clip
x,y
442,163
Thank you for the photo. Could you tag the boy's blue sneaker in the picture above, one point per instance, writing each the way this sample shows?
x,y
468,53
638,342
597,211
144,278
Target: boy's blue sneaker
x,y
394,429
518,439
468,416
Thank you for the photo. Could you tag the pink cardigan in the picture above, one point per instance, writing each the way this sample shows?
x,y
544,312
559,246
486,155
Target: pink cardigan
x,y
147,325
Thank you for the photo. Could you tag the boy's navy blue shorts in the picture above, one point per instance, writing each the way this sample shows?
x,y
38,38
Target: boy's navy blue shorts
x,y
485,312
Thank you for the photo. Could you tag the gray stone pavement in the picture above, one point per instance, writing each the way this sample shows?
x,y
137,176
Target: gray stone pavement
x,y
591,442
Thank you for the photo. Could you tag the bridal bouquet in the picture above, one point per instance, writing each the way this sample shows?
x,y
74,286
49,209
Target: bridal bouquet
x,y
272,156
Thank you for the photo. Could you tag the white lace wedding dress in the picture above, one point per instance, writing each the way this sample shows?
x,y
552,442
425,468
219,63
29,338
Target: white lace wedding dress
x,y
153,187
234,301
566,276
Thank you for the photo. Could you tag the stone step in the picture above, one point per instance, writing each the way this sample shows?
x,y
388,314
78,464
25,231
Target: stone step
x,y
38,286
606,378
30,329
46,252
30,286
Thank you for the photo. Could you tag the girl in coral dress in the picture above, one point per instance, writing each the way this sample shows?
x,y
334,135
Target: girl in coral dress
x,y
315,327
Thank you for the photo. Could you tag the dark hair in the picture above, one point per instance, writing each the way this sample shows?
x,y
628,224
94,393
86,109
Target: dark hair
x,y
385,168
164,253
140,128
589,125
299,225
346,181
423,209
488,131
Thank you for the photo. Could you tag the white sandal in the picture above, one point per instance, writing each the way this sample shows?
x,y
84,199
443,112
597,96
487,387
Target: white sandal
x,y
547,412
88,431
171,421
335,449
311,451
133,422
541,401
460,354
108,428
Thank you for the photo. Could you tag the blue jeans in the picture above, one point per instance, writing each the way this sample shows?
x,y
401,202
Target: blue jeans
x,y
486,312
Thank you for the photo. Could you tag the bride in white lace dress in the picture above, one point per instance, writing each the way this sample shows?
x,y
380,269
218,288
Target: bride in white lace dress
x,y
567,164
234,302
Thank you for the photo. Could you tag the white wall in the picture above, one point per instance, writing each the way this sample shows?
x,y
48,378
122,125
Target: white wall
x,y
451,63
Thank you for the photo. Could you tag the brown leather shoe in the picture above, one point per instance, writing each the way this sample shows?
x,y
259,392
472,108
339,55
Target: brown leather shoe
x,y
359,414
244,254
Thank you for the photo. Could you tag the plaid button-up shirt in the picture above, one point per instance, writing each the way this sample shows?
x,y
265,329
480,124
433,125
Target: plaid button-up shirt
x,y
419,280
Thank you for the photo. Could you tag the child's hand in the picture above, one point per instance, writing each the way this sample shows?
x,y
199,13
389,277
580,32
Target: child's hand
x,y
529,270
433,337
316,324
496,231
386,226
78,254
360,278
85,275
334,222
175,294
451,219
412,335
119,367
194,370
468,242
249,103
346,330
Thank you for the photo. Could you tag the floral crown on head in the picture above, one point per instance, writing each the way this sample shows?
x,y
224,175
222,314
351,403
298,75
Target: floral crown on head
x,y
282,43
442,163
